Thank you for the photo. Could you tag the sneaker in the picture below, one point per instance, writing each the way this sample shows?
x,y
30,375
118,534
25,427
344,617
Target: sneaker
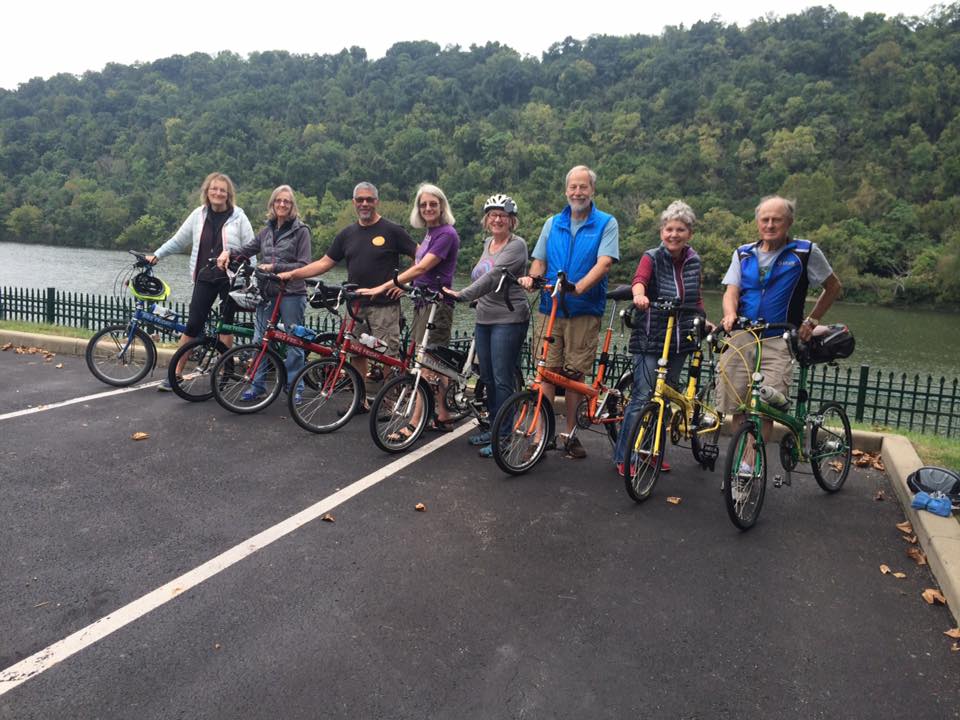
x,y
486,451
481,438
251,395
164,386
574,448
297,398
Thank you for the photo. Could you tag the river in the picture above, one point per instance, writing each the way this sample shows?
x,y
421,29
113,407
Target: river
x,y
912,341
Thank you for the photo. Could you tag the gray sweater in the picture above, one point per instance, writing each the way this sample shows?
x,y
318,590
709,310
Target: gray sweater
x,y
491,308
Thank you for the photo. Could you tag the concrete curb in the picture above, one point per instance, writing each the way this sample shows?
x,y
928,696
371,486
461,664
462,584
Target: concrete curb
x,y
65,345
939,536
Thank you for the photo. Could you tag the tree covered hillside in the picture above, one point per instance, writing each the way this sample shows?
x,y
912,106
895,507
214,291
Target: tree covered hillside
x,y
857,118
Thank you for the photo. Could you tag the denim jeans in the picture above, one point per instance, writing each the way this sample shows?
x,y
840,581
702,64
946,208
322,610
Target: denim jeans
x,y
498,353
292,309
644,380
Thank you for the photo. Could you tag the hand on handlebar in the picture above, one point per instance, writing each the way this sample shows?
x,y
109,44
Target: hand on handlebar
x,y
455,294
641,302
728,322
223,260
152,259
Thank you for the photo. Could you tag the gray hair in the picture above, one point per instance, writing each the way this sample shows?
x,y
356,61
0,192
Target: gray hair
x,y
294,210
446,216
580,168
789,205
678,210
366,186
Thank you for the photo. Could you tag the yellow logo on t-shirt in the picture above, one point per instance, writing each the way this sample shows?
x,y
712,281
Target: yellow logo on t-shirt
x,y
378,240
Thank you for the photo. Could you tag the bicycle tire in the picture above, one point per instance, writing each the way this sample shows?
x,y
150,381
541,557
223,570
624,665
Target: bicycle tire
x,y
394,410
743,496
624,386
232,377
116,362
192,382
521,431
643,465
331,400
831,447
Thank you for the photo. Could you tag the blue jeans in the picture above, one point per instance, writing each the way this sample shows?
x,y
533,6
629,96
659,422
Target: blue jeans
x,y
644,380
498,353
292,309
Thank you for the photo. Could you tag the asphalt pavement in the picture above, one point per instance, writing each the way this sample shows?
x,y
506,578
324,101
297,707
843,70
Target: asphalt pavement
x,y
551,595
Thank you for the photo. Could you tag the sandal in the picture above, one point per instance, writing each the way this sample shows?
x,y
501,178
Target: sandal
x,y
399,435
440,426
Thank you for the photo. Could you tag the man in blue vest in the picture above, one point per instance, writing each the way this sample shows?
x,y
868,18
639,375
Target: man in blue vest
x,y
583,242
769,280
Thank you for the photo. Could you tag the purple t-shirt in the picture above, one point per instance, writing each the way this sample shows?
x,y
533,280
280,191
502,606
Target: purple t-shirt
x,y
443,242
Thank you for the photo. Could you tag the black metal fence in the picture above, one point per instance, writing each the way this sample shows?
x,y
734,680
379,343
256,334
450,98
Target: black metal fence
x,y
897,400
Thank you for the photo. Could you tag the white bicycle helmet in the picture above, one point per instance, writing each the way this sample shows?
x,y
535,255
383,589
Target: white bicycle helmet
x,y
500,202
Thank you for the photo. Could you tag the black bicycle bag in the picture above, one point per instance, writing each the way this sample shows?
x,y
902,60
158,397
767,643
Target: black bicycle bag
x,y
828,343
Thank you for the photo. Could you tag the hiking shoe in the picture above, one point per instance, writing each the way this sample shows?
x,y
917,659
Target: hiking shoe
x,y
481,438
164,386
486,451
251,395
574,448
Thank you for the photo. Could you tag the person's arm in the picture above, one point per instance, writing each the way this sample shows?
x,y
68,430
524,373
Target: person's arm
x,y
596,274
180,240
731,302
830,292
513,255
640,298
317,267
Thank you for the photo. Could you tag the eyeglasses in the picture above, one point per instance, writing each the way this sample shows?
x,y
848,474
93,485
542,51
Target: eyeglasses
x,y
502,217
282,201
429,204
367,200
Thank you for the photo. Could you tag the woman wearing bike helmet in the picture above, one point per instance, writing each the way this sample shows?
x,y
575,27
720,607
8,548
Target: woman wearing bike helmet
x,y
499,332
283,244
666,272
215,226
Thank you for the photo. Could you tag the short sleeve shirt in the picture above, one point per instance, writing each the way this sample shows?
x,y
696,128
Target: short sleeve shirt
x,y
818,269
444,243
372,252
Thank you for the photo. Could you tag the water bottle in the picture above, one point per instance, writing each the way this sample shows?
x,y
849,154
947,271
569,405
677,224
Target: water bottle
x,y
302,331
773,397
372,342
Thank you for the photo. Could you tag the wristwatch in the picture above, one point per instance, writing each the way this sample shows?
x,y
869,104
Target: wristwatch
x,y
811,321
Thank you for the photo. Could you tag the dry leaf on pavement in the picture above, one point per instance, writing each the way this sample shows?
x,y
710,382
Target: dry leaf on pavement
x,y
899,575
327,517
954,633
674,500
884,569
905,527
881,495
7,346
420,507
912,539
917,555
932,595
59,366
878,465
140,436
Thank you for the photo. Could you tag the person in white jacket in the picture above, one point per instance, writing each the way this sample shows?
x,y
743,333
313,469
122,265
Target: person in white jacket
x,y
215,226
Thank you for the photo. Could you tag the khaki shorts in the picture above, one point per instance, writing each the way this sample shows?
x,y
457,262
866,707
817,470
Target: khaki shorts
x,y
575,342
443,322
737,363
383,322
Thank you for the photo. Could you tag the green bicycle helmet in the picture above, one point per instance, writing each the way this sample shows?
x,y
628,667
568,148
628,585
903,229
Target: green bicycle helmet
x,y
146,286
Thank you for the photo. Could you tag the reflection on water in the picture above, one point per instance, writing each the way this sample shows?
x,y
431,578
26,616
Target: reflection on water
x,y
911,341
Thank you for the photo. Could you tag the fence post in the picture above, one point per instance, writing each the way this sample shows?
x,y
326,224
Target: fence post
x,y
51,315
861,392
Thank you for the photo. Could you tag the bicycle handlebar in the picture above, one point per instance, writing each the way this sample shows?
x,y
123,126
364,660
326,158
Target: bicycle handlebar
x,y
671,307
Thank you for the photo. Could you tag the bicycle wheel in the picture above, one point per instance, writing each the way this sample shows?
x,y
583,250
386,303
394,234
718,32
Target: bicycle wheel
x,y
234,377
480,397
199,357
704,443
745,482
646,454
331,400
616,405
521,430
400,412
831,447
115,360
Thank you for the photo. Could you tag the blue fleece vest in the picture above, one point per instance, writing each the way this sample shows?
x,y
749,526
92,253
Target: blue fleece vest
x,y
576,256
781,296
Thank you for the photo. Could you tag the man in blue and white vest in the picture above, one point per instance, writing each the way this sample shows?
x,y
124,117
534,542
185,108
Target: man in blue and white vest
x,y
583,242
769,280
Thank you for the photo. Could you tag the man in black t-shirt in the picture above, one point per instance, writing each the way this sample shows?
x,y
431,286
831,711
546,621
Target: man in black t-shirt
x,y
371,248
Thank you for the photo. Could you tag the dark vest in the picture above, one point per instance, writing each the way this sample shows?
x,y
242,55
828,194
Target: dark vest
x,y
648,333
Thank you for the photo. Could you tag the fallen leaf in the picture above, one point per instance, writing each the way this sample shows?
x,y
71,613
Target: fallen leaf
x,y
420,507
856,452
7,346
917,555
674,500
836,465
954,633
140,436
899,575
327,517
932,595
881,495
905,527
216,646
59,366
878,465
884,569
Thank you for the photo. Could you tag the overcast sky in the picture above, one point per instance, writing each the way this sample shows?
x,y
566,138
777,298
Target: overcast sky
x,y
73,37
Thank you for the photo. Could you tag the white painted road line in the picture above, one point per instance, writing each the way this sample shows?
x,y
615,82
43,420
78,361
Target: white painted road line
x,y
85,398
53,654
